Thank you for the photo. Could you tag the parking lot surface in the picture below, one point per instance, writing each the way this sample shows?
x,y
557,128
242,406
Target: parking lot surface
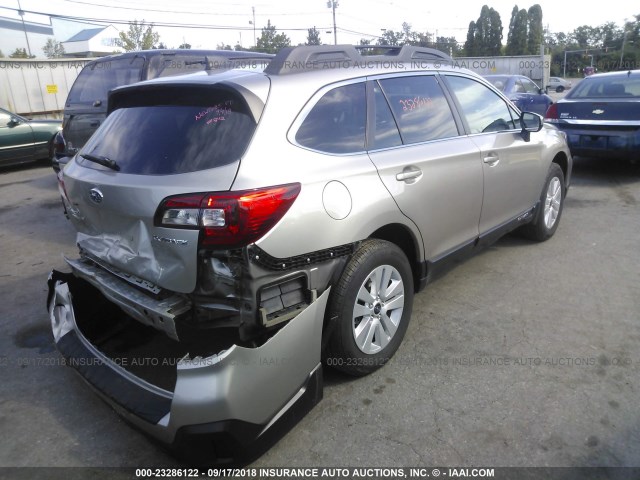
x,y
524,355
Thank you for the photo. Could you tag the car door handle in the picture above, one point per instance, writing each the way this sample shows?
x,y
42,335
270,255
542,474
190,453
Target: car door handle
x,y
408,174
491,160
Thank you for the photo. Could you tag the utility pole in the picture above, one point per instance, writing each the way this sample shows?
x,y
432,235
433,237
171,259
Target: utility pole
x,y
333,4
253,9
24,27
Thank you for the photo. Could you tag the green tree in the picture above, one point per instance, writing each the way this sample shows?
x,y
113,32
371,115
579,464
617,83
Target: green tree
x,y
185,46
610,35
535,33
493,39
470,46
53,48
313,37
484,36
519,34
585,36
512,22
405,36
271,41
21,53
223,46
448,45
139,37
391,38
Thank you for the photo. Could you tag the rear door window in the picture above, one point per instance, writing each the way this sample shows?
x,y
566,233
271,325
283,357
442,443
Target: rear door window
x,y
174,131
419,108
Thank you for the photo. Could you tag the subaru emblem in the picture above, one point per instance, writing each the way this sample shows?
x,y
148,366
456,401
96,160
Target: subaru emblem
x,y
95,195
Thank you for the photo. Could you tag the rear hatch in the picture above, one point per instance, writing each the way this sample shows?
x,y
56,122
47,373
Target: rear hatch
x,y
159,140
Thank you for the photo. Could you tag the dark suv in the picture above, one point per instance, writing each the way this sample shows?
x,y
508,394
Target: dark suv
x,y
86,105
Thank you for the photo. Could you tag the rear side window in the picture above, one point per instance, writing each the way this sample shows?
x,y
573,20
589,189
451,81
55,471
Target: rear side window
x,y
95,81
419,108
174,132
337,123
482,108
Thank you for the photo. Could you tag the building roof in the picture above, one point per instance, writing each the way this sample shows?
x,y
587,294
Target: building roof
x,y
84,35
31,27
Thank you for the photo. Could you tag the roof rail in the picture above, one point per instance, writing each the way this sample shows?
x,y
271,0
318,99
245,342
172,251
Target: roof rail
x,y
312,57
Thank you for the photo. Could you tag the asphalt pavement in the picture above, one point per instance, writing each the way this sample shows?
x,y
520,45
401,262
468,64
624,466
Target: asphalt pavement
x,y
524,355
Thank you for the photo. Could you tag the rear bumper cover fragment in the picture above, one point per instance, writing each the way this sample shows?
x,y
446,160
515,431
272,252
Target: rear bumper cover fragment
x,y
240,393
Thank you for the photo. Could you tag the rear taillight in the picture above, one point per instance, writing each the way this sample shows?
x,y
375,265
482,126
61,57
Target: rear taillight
x,y
59,146
228,219
552,114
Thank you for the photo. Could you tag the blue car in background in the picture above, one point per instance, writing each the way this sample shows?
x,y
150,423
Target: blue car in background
x,y
523,92
601,116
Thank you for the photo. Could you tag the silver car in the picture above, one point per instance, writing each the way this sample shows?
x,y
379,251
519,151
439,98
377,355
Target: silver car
x,y
558,84
238,230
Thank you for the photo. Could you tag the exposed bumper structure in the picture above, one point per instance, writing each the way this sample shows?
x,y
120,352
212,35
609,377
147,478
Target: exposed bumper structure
x,y
230,399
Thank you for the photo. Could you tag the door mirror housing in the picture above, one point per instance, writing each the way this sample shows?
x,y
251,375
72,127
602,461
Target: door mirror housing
x,y
530,122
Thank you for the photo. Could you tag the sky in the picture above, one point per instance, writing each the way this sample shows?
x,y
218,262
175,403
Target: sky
x,y
355,19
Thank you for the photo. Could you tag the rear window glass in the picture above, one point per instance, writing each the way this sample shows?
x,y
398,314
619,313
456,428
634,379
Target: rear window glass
x,y
95,81
611,87
177,135
337,123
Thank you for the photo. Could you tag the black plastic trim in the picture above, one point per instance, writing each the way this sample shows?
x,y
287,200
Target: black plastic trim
x,y
265,260
142,403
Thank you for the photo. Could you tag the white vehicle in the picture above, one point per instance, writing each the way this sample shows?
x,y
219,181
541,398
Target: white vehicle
x,y
558,84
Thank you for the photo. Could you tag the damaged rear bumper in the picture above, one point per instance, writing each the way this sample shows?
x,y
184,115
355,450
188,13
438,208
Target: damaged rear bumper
x,y
221,403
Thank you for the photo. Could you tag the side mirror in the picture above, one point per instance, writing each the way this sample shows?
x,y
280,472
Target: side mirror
x,y
530,122
15,121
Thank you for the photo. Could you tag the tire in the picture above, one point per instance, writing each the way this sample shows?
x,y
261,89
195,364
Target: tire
x,y
560,89
551,205
367,326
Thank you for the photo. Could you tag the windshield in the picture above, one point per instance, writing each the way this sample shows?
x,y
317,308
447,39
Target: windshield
x,y
168,132
618,86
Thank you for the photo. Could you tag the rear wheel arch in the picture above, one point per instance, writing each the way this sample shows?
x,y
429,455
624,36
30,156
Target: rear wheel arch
x,y
563,162
404,239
